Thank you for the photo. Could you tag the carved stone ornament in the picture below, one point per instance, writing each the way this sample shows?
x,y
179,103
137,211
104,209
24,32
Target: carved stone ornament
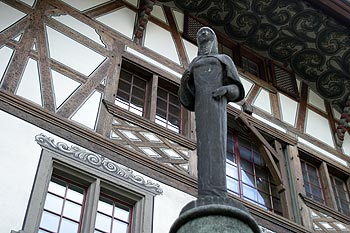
x,y
99,162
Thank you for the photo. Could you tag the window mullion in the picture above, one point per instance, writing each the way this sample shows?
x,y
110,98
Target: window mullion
x,y
91,202
327,186
151,106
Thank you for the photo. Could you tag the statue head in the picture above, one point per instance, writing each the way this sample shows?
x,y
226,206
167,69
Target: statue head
x,y
207,42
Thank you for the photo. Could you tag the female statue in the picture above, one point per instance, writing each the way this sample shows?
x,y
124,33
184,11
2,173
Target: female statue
x,y
209,83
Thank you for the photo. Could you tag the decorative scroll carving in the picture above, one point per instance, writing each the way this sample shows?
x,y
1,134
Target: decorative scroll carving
x,y
98,162
289,31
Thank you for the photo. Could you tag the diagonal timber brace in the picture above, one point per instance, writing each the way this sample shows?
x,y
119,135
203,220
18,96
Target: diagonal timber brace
x,y
268,152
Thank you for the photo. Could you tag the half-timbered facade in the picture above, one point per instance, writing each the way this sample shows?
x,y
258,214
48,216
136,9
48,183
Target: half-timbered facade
x,y
94,139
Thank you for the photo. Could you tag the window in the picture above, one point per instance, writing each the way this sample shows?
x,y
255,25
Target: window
x,y
112,215
63,207
131,92
341,194
168,111
250,66
312,182
248,176
76,194
132,89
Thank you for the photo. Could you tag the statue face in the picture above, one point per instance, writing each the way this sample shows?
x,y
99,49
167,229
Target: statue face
x,y
206,40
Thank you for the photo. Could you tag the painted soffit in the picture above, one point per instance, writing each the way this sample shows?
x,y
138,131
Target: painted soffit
x,y
314,45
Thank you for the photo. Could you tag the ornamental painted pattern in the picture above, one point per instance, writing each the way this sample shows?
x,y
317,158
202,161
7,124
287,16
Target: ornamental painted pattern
x,y
98,161
292,32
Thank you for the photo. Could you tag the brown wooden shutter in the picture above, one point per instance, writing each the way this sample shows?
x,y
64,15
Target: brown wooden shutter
x,y
284,80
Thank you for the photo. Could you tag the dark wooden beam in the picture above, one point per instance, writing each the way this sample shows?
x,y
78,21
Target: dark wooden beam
x,y
84,91
176,35
18,62
47,92
302,107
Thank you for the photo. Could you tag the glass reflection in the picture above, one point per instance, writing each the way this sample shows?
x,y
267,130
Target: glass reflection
x,y
72,210
103,222
68,226
53,203
49,221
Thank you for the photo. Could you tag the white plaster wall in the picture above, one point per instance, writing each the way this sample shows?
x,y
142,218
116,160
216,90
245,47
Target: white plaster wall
x,y
121,20
191,50
19,155
8,16
247,85
159,13
289,109
263,101
318,127
346,144
316,100
161,41
167,208
179,18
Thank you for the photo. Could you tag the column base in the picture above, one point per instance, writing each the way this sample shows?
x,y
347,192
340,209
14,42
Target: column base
x,y
214,214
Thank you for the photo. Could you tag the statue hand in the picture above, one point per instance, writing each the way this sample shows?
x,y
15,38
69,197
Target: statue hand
x,y
231,92
218,93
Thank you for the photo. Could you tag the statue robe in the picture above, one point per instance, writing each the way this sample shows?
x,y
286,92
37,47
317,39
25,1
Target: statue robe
x,y
206,74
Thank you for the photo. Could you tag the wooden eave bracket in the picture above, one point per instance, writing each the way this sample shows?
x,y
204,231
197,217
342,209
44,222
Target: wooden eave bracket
x,y
344,123
268,152
144,13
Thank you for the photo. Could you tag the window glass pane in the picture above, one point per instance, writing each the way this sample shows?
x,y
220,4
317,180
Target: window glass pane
x,y
137,103
57,187
245,152
126,76
68,226
42,231
277,205
139,82
232,171
262,185
49,221
53,203
173,99
247,166
123,87
232,185
249,192
119,227
103,222
105,206
138,93
161,105
262,172
121,212
72,210
162,94
75,194
248,179
264,199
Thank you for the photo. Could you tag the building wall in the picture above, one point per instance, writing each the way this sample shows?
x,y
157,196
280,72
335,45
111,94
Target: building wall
x,y
81,55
